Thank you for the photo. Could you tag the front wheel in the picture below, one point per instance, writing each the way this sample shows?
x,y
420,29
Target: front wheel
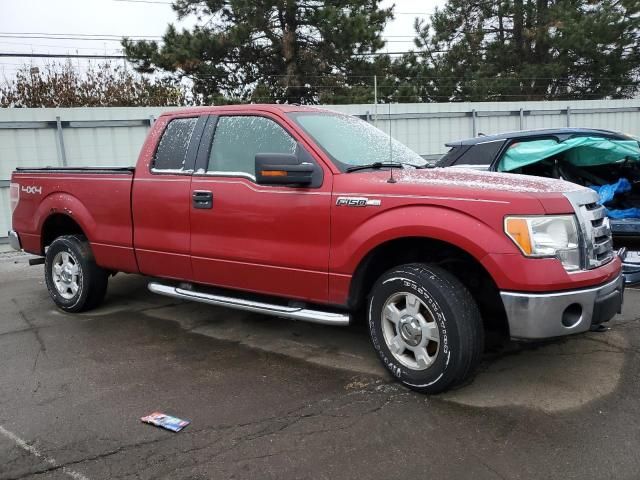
x,y
426,327
74,281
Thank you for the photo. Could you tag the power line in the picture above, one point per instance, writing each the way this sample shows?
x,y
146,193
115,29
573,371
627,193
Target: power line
x,y
67,47
58,55
562,80
119,39
145,1
116,38
90,36
159,2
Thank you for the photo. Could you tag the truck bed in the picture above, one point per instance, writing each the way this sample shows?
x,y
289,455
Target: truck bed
x,y
98,199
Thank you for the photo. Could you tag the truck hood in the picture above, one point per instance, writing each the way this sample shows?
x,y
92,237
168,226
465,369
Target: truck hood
x,y
474,180
528,194
464,181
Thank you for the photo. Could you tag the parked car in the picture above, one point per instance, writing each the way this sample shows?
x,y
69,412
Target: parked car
x,y
588,157
312,215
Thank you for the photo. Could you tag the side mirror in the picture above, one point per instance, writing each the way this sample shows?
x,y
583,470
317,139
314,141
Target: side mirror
x,y
283,169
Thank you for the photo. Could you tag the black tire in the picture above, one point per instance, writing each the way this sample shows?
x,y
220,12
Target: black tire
x,y
89,284
445,303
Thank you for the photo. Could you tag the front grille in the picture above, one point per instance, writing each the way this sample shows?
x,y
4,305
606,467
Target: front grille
x,y
595,232
598,246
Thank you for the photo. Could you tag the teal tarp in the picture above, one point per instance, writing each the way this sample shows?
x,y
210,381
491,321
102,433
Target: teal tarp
x,y
580,151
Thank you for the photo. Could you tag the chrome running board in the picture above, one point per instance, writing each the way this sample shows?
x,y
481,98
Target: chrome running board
x,y
293,313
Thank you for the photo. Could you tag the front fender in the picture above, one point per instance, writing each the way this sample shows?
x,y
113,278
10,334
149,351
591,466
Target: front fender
x,y
434,222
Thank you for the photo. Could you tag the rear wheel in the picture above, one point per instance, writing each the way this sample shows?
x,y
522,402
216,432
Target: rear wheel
x,y
425,327
74,281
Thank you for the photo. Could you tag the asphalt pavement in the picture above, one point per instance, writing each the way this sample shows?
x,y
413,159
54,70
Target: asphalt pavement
x,y
270,398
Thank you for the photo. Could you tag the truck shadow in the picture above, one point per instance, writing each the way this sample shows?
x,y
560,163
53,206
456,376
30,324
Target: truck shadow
x,y
551,376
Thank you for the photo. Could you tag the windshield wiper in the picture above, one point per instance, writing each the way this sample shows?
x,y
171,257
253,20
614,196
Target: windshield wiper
x,y
378,165
426,165
375,165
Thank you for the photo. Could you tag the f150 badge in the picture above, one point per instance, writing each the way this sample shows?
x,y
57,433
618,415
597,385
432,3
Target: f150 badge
x,y
357,202
31,190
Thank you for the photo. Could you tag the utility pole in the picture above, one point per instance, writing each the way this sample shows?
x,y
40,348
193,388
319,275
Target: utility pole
x,y
375,100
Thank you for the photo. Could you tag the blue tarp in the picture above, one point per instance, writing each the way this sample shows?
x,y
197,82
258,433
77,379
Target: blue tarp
x,y
626,213
607,192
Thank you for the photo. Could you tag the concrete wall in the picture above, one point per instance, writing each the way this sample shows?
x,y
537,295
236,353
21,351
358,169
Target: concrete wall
x,y
113,136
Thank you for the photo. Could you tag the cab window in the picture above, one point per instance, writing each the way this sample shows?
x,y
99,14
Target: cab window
x,y
171,153
237,140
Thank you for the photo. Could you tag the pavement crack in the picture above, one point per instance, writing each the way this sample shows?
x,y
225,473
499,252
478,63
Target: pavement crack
x,y
34,473
13,332
36,331
268,455
281,424
90,458
489,467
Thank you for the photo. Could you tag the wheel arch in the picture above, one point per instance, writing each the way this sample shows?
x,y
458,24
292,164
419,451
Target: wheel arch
x,y
57,225
63,214
456,260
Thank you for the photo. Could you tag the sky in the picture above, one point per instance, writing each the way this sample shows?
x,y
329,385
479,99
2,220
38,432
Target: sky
x,y
112,19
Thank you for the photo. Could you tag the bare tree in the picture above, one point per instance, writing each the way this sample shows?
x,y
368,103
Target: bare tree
x,y
102,85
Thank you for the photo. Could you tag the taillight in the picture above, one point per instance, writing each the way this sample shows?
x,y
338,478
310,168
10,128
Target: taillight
x,y
14,195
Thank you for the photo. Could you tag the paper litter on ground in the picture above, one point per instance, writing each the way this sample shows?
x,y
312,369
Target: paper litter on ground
x,y
163,420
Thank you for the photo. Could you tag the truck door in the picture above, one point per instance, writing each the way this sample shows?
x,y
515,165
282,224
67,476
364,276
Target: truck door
x,y
161,198
268,239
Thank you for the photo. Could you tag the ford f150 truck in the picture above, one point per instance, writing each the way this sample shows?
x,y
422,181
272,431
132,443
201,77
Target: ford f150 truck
x,y
312,215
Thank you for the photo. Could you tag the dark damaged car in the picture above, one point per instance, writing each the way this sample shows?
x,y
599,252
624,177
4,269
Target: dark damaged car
x,y
605,161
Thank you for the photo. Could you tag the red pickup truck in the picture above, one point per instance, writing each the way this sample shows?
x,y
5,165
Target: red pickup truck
x,y
313,215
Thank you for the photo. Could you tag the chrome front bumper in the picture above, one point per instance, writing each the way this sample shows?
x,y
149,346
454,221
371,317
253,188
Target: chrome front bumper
x,y
534,316
14,240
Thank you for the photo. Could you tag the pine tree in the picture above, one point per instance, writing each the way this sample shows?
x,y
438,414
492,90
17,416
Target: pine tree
x,y
530,50
269,50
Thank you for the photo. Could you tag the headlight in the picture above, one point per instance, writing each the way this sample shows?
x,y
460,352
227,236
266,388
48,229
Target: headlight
x,y
546,236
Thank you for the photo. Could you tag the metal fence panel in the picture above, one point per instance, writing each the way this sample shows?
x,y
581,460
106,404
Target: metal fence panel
x,y
26,148
104,146
5,211
431,125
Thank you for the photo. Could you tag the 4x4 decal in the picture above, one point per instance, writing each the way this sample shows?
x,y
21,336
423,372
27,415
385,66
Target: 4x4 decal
x,y
31,190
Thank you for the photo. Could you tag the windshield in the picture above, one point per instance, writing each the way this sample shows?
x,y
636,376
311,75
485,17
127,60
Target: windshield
x,y
350,141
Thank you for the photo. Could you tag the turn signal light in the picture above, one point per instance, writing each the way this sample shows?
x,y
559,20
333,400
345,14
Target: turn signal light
x,y
518,230
274,173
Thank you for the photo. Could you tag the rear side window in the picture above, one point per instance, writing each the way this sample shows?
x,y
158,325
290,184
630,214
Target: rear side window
x,y
172,149
450,157
481,153
238,138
